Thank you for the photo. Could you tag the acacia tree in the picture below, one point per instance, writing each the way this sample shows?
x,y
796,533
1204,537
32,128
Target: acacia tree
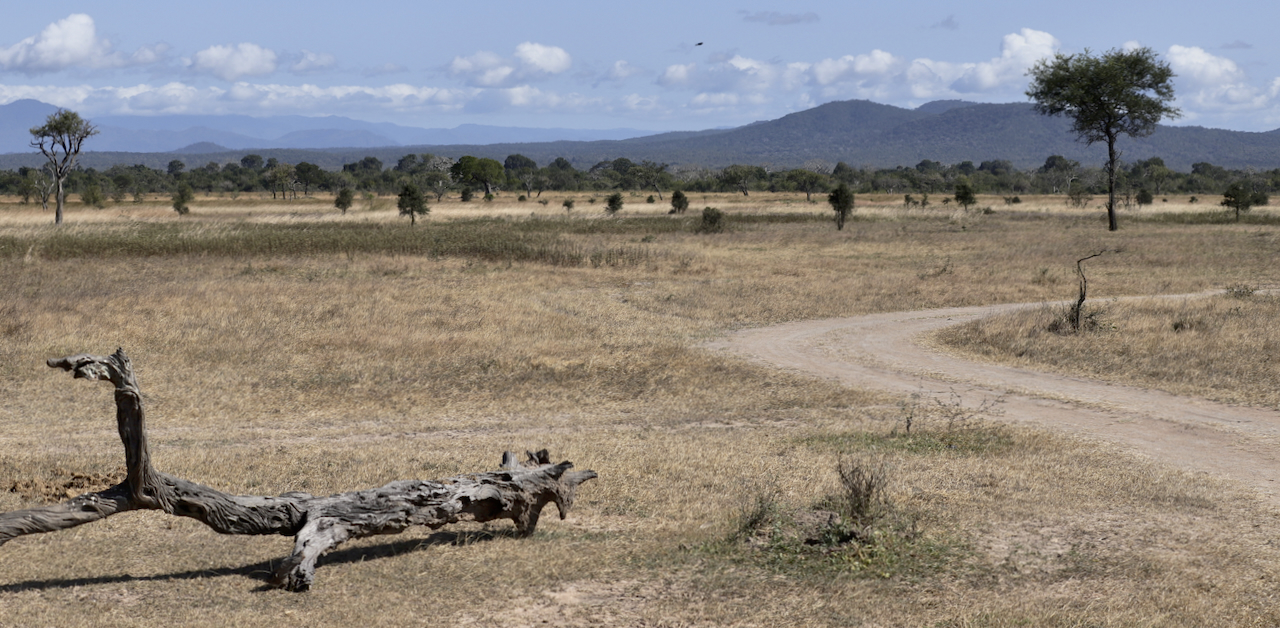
x,y
480,171
1120,92
59,140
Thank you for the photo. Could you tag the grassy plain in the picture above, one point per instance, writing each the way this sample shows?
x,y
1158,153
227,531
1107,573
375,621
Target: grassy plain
x,y
285,347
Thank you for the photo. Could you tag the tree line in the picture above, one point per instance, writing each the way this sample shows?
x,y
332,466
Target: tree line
x,y
469,176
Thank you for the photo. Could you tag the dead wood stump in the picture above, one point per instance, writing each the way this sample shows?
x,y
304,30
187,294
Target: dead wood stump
x,y
518,491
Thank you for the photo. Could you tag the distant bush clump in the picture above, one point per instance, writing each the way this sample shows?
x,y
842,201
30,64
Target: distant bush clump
x,y
712,221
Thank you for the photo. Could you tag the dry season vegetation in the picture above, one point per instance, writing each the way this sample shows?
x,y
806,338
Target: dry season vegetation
x,y
287,348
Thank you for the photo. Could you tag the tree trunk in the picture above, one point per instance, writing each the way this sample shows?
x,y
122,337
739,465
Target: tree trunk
x,y
57,216
518,492
1112,156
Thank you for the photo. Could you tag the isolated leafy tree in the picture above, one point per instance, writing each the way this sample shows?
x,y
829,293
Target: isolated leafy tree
x,y
344,199
60,140
964,194
1144,197
841,200
1241,197
613,203
679,202
1120,92
182,199
568,205
412,203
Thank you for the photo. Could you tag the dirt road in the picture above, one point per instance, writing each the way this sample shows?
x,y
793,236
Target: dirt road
x,y
884,351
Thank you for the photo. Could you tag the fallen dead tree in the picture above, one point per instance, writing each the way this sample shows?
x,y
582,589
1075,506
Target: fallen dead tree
x,y
518,491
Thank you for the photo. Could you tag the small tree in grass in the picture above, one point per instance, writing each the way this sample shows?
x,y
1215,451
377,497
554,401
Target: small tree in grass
x,y
344,200
841,200
1240,197
679,202
412,203
568,205
613,204
182,199
964,194
1144,197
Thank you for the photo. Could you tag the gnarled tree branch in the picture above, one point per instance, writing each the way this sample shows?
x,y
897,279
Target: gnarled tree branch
x,y
518,491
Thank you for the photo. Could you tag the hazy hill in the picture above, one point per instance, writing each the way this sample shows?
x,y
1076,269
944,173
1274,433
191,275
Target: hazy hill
x,y
859,132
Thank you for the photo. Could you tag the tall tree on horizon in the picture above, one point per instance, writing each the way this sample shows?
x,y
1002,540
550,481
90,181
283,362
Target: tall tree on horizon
x,y
60,140
1121,92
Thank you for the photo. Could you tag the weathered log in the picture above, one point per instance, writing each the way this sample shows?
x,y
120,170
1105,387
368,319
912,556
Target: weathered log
x,y
518,491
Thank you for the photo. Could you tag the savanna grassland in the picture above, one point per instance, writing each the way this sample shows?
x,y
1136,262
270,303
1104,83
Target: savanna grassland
x,y
285,347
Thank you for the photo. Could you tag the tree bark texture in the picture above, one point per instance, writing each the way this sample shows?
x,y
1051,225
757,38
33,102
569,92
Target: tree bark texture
x,y
518,491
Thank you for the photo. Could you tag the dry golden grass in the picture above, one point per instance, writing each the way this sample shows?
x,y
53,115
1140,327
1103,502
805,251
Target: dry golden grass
x,y
331,371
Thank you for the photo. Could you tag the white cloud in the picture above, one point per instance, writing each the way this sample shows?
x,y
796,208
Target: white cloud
x,y
621,70
1018,53
855,67
540,58
532,61
677,74
232,62
71,42
313,62
243,98
1206,69
1215,83
714,100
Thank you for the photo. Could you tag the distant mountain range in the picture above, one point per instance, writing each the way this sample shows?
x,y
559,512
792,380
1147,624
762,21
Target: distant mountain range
x,y
177,133
858,132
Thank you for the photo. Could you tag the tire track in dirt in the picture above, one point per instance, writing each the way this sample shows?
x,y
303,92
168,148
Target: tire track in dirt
x,y
886,351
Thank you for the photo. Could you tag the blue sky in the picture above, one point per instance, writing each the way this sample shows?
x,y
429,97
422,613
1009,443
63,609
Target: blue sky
x,y
609,64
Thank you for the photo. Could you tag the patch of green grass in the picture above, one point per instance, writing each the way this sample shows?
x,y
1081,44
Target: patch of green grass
x,y
1209,218
487,240
968,438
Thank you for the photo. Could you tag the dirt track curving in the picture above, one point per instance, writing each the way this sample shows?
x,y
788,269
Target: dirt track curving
x,y
885,351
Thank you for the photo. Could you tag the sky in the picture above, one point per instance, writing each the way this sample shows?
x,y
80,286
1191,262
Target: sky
x,y
658,65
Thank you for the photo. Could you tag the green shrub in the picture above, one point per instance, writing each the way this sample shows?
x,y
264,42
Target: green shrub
x,y
613,203
712,221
